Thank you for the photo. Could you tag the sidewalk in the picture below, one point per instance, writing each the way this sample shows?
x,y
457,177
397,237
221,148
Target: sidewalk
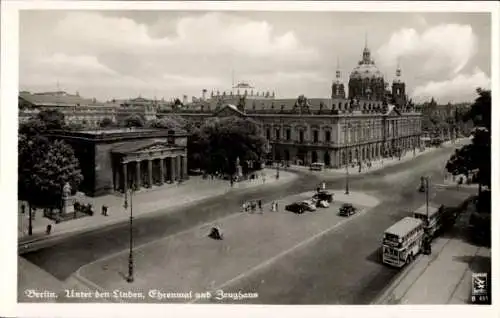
x,y
445,276
153,200
376,164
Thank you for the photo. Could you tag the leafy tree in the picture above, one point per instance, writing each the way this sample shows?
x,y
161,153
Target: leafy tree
x,y
106,122
219,142
168,122
53,119
44,168
476,155
134,120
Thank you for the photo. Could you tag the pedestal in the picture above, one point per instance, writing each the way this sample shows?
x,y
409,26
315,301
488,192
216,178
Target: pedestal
x,y
67,206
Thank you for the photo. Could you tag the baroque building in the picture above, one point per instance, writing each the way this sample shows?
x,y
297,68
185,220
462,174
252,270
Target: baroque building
x,y
371,123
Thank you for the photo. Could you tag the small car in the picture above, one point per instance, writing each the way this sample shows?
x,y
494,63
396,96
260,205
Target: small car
x,y
322,204
323,195
296,207
310,205
347,209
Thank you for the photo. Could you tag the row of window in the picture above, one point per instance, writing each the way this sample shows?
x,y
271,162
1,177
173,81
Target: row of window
x,y
288,135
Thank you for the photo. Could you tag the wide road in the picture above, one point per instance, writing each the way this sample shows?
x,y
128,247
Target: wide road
x,y
344,266
63,257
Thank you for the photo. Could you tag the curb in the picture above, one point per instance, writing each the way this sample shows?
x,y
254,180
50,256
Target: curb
x,y
68,233
385,296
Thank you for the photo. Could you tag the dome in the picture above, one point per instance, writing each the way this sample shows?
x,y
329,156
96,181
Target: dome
x,y
364,71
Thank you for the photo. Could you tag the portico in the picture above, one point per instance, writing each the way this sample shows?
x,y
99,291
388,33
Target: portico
x,y
145,165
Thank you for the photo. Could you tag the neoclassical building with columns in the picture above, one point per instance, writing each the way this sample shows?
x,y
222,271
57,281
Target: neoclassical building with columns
x,y
116,160
372,122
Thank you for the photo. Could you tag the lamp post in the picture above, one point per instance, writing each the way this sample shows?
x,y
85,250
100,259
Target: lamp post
x,y
346,158
427,197
130,277
30,221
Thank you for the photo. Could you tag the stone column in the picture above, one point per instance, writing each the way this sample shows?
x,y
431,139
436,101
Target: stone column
x,y
124,177
184,167
150,172
138,174
162,171
172,169
178,168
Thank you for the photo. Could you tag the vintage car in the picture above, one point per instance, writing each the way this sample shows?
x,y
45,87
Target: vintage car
x,y
296,207
323,195
310,205
347,209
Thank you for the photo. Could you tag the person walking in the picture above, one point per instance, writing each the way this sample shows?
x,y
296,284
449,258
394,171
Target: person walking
x,y
49,229
244,206
260,206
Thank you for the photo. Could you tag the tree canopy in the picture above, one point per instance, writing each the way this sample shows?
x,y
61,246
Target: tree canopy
x,y
44,166
216,145
133,120
476,155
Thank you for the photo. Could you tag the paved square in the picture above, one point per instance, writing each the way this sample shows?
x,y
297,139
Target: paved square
x,y
190,261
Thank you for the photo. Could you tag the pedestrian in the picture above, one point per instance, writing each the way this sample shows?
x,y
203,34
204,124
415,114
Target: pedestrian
x,y
276,206
260,205
23,208
244,206
49,229
272,206
253,205
104,210
323,185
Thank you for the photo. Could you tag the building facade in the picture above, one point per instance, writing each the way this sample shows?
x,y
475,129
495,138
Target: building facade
x,y
371,123
116,160
84,111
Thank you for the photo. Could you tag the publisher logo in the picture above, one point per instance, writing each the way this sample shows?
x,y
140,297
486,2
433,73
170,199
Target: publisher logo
x,y
479,284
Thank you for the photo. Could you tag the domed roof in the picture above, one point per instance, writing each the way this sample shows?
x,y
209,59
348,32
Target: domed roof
x,y
364,70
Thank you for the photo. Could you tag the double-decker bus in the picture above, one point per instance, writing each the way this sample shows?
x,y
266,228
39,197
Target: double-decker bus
x,y
433,220
402,241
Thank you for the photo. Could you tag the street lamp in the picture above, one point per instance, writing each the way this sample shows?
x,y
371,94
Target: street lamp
x,y
346,157
130,277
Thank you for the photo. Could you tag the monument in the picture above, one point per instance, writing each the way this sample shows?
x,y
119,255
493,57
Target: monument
x,y
239,170
67,200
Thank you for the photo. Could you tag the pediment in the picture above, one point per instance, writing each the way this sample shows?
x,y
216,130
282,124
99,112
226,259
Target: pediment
x,y
154,147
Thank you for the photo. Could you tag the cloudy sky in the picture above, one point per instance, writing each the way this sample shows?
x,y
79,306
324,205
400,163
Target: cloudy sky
x,y
122,54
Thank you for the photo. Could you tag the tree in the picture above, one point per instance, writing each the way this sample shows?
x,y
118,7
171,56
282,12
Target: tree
x,y
106,122
53,119
134,120
44,168
169,122
219,142
477,155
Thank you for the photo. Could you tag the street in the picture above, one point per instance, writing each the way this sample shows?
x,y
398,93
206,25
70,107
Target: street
x,y
341,267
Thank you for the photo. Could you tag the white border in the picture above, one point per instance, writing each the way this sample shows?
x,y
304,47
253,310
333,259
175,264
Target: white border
x,y
8,163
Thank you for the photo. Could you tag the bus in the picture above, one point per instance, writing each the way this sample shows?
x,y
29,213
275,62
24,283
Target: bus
x,y
402,242
432,220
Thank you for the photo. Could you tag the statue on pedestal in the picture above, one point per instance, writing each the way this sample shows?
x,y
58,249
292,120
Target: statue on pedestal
x,y
67,202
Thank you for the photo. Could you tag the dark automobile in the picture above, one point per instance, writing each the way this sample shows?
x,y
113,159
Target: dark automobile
x,y
323,196
297,207
347,209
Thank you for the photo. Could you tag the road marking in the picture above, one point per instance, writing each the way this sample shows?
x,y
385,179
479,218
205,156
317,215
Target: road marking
x,y
284,253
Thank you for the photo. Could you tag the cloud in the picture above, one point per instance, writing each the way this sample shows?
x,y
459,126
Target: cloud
x,y
209,34
460,88
443,49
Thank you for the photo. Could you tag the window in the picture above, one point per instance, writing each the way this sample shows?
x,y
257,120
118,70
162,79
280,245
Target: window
x,y
315,136
268,134
328,136
278,133
288,134
301,136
